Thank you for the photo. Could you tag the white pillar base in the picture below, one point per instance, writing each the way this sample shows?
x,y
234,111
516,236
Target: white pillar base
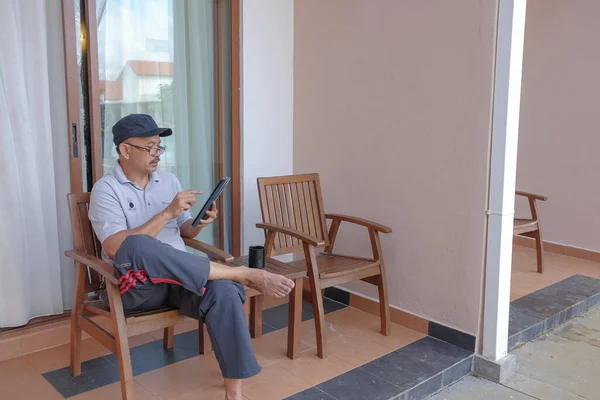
x,y
495,371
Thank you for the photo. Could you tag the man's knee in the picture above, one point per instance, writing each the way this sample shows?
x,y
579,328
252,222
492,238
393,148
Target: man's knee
x,y
134,244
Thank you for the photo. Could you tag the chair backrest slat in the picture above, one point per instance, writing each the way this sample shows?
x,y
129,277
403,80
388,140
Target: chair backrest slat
x,y
293,201
84,238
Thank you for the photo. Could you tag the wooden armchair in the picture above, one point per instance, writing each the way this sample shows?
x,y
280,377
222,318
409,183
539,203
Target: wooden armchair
x,y
294,220
86,305
530,227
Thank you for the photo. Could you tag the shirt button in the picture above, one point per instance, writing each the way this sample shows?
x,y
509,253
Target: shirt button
x,y
148,203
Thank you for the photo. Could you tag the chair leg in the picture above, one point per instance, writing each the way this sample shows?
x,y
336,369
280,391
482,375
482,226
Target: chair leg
x,y
256,313
384,307
319,312
204,339
295,319
539,245
122,342
384,300
78,296
168,337
317,299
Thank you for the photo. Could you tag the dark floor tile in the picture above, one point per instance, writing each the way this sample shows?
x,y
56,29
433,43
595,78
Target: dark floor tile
x,y
457,371
339,295
151,356
581,284
401,370
311,394
452,336
435,352
551,300
519,321
358,385
525,336
277,316
591,302
555,320
267,329
94,374
328,306
545,304
424,389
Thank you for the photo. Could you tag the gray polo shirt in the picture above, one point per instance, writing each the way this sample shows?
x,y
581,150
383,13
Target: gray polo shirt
x,y
118,204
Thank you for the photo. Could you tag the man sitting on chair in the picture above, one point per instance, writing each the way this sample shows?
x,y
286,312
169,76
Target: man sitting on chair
x,y
140,215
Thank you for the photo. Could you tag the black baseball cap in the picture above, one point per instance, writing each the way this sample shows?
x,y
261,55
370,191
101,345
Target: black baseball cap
x,y
137,125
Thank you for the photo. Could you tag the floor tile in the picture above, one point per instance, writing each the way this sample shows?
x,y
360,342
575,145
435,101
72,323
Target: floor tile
x,y
314,370
94,374
113,391
525,336
424,389
402,370
358,385
33,388
151,356
273,383
457,371
519,321
553,299
178,379
272,347
16,370
360,323
356,350
139,340
212,391
311,394
60,357
434,352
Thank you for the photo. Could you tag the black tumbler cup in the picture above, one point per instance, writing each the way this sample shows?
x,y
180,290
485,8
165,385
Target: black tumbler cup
x,y
256,258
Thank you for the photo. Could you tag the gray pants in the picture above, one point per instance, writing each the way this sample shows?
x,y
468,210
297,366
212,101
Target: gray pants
x,y
154,274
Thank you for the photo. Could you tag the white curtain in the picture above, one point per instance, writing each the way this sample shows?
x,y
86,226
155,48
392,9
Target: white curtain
x,y
30,279
194,100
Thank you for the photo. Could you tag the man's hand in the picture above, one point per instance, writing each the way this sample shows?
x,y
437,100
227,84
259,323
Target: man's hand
x,y
211,215
187,230
183,201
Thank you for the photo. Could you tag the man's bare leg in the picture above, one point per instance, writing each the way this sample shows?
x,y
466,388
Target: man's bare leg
x,y
233,389
272,285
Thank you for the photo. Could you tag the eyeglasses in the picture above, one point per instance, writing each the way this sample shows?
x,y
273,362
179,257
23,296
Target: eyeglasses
x,y
153,151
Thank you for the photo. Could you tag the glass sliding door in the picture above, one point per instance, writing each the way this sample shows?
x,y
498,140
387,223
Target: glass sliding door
x,y
170,59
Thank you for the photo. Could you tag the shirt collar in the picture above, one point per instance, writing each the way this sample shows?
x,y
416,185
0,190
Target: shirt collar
x,y
120,175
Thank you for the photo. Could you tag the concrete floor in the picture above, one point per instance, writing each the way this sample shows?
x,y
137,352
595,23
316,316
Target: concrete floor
x,y
564,364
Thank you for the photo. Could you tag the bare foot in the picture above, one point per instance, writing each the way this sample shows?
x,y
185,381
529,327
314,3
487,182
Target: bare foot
x,y
269,284
233,389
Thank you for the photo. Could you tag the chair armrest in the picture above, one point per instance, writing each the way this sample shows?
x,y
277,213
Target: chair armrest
x,y
531,195
303,237
360,221
211,251
98,265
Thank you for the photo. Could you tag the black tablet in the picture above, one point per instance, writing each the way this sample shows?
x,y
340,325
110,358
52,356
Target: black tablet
x,y
213,197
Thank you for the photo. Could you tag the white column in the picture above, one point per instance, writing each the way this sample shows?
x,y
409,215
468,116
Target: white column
x,y
505,132
267,103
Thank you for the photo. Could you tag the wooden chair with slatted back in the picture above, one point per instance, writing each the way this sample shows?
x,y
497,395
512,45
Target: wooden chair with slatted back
x,y
531,227
294,220
88,311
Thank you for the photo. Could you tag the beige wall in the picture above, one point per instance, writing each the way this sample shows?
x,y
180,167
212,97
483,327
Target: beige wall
x,y
559,139
393,98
